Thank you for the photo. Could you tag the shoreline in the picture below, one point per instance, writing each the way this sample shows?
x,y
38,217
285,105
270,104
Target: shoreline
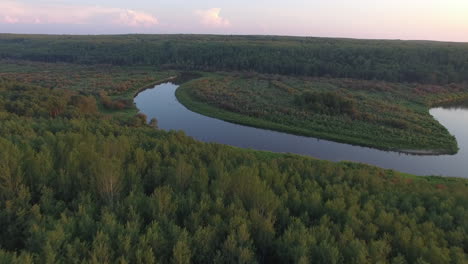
x,y
424,152
151,85
187,101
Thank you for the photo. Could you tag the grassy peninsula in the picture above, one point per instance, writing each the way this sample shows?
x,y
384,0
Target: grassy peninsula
x,y
388,116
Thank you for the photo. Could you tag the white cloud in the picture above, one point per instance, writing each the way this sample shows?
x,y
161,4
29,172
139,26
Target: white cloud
x,y
135,19
211,18
12,12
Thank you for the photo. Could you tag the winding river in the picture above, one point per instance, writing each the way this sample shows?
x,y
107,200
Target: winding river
x,y
160,102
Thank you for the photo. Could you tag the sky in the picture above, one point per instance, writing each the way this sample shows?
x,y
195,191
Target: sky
x,y
445,20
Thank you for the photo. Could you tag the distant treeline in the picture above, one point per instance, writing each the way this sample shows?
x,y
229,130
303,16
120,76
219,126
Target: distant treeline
x,y
390,60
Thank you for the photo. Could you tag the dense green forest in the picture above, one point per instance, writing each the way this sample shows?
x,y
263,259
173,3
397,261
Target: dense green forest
x,y
85,179
390,116
82,183
390,60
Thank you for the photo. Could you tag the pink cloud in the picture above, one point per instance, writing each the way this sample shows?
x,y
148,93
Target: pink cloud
x,y
211,18
135,19
12,12
10,20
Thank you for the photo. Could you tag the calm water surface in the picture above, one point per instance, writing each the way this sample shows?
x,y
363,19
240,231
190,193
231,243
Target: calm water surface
x,y
161,103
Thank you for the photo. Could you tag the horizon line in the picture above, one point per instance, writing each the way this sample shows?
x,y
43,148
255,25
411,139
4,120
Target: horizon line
x,y
240,35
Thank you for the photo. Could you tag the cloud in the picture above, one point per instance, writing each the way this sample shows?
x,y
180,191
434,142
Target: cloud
x,y
211,18
135,19
12,12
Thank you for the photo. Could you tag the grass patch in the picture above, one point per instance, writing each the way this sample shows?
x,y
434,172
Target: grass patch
x,y
386,116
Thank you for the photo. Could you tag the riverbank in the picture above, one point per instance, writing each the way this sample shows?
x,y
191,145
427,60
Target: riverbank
x,y
162,104
152,84
130,94
436,180
184,95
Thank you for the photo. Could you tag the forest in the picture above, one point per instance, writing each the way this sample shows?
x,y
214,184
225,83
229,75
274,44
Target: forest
x,y
389,60
85,178
379,114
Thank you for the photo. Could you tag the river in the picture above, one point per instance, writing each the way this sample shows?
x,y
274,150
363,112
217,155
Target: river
x,y
160,103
